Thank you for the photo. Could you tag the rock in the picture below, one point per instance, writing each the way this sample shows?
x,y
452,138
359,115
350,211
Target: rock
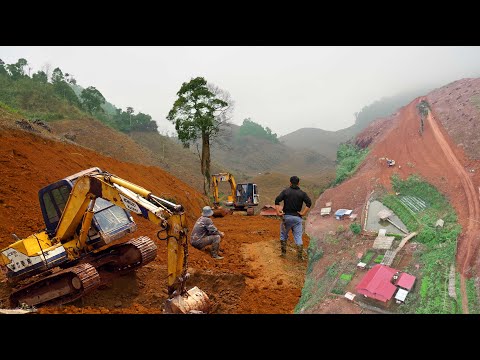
x,y
118,304
279,281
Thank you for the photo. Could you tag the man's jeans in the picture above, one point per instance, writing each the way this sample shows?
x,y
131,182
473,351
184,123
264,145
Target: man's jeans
x,y
207,240
291,222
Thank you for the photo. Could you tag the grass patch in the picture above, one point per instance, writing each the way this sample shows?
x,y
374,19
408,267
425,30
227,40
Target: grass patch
x,y
349,157
315,290
473,305
331,239
367,256
9,109
315,253
378,259
440,244
342,283
404,213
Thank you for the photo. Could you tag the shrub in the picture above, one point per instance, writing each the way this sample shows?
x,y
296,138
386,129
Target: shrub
x,y
356,228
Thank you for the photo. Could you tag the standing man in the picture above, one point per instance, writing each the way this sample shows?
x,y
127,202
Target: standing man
x,y
293,198
205,233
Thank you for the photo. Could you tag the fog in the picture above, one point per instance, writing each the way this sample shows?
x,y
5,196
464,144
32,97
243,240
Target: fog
x,y
284,88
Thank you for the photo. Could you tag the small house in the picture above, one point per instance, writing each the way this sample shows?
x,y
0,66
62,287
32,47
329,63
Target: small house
x,y
340,213
406,281
401,295
377,283
325,211
384,214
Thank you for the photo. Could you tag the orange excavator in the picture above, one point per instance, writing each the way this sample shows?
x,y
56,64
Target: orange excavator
x,y
85,243
243,197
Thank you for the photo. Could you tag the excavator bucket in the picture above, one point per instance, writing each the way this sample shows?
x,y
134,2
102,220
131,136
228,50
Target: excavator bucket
x,y
195,301
220,212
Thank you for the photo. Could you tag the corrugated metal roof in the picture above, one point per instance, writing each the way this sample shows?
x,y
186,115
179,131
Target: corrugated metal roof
x,y
377,283
325,211
406,281
341,212
383,214
401,295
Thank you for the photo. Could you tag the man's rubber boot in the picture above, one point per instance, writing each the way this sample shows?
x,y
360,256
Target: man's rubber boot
x,y
300,252
283,245
215,252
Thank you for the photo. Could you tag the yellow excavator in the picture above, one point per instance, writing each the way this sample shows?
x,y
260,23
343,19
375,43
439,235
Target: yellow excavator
x,y
243,197
84,244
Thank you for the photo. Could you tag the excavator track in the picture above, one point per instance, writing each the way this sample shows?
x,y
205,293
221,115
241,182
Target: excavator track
x,y
59,288
72,283
125,257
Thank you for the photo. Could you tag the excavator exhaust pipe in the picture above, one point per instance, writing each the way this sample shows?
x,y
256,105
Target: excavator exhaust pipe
x,y
195,301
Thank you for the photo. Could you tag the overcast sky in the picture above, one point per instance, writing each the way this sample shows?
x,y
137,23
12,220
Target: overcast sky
x,y
283,87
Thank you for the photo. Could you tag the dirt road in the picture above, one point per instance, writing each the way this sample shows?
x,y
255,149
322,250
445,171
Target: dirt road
x,y
469,241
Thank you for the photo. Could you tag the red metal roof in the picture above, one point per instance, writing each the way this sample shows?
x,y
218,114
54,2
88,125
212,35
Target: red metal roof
x,y
406,281
377,283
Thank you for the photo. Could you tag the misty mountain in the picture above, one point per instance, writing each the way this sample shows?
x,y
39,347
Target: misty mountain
x,y
250,155
326,142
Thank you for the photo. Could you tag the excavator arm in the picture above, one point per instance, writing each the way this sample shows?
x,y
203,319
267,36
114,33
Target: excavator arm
x,y
169,216
216,178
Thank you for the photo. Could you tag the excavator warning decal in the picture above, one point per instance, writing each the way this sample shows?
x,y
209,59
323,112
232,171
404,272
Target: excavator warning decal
x,y
131,205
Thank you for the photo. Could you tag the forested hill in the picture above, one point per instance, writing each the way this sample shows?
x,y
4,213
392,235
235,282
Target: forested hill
x,y
55,95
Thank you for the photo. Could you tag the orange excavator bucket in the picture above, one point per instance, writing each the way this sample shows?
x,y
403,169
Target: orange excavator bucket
x,y
220,212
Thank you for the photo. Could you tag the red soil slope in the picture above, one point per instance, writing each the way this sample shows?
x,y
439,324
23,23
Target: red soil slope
x,y
252,278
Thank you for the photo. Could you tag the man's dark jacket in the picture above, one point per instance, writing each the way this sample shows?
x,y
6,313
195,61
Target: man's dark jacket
x,y
293,198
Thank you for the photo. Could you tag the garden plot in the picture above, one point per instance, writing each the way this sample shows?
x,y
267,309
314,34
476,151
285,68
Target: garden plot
x,y
413,203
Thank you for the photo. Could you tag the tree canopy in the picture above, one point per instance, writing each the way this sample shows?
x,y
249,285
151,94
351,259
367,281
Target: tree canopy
x,y
251,128
198,113
92,99
59,96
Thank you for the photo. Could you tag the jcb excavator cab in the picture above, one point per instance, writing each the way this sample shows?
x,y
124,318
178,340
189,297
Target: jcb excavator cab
x,y
110,222
242,197
246,195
